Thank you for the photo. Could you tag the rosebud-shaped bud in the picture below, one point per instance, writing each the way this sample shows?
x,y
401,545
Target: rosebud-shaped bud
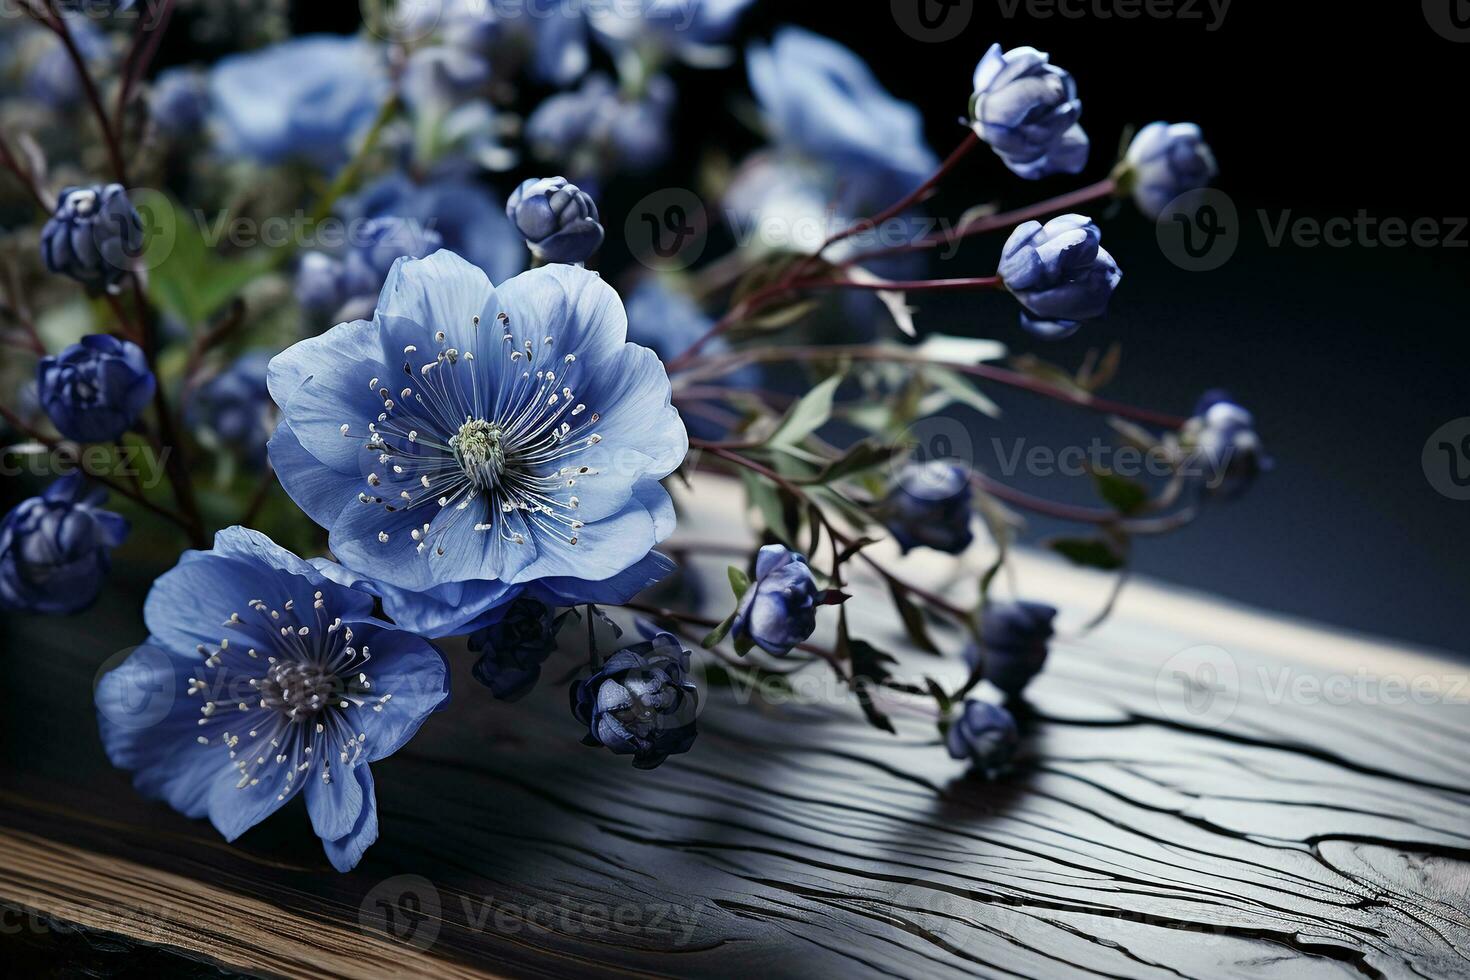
x,y
179,101
235,406
513,650
1060,273
93,237
640,703
1223,449
779,609
1166,161
928,506
986,735
95,390
1027,110
55,549
1014,638
558,221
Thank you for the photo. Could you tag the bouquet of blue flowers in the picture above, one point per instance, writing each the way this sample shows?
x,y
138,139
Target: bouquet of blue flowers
x,y
348,291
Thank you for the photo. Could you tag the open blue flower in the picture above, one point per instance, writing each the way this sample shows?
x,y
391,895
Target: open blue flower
x,y
692,30
56,549
821,101
306,98
470,440
261,679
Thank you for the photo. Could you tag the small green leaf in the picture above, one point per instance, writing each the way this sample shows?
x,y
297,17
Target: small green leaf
x,y
941,698
808,415
863,456
765,496
1124,495
1089,552
739,582
718,634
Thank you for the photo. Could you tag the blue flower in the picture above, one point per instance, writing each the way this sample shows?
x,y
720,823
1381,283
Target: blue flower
x,y
470,221
641,702
821,101
1223,449
928,506
689,29
95,390
262,678
1027,110
1014,638
55,549
549,38
986,735
513,650
1166,161
597,130
306,98
235,408
558,220
344,288
439,75
1060,273
779,609
93,237
179,101
470,440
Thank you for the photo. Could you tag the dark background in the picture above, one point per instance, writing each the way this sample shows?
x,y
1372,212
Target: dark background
x,y
1349,357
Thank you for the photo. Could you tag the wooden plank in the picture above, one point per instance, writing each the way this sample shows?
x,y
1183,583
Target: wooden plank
x,y
1151,829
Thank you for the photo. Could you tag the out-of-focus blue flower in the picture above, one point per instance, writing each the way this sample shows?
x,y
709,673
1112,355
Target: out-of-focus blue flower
x,y
346,287
95,390
1222,447
986,735
692,30
1027,110
234,407
821,101
928,506
93,237
463,213
440,75
306,98
558,220
779,609
1165,161
56,549
1060,273
179,101
261,679
52,77
641,702
1014,639
595,130
471,440
513,650
547,38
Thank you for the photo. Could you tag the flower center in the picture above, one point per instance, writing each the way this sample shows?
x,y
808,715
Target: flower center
x,y
479,449
298,690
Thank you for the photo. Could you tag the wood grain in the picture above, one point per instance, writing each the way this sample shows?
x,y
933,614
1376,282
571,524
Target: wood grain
x,y
1148,830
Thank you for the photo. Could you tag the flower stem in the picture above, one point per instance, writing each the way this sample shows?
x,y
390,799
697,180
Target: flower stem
x,y
57,25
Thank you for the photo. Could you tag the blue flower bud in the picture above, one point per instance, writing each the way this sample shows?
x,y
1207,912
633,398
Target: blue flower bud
x,y
599,124
513,650
179,101
95,390
779,609
235,406
1166,161
640,703
55,549
558,221
1027,110
986,735
928,506
1223,449
347,287
93,237
1013,643
1060,273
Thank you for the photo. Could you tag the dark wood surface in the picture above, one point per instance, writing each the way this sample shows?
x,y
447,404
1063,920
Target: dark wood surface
x,y
1148,831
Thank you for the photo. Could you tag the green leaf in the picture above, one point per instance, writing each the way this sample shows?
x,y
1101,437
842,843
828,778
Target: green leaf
x,y
940,696
718,634
1089,552
913,620
739,582
962,390
765,496
1124,495
808,415
864,455
187,277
